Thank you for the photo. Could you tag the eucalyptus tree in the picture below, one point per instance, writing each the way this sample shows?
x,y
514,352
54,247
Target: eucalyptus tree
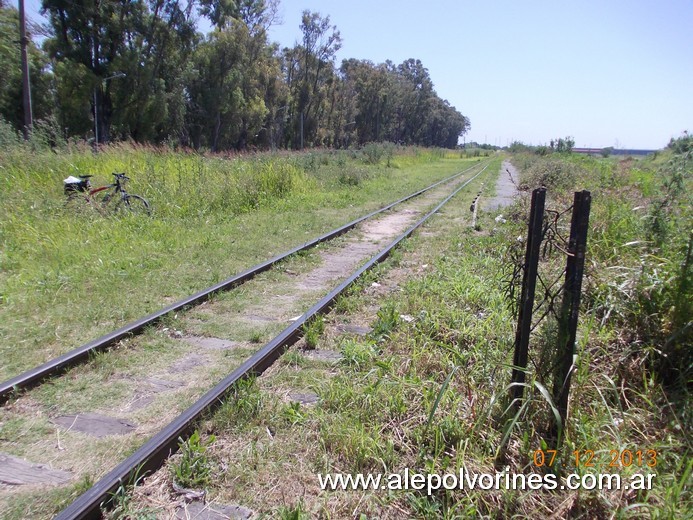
x,y
151,96
397,103
415,92
373,87
119,61
234,85
444,125
310,76
253,13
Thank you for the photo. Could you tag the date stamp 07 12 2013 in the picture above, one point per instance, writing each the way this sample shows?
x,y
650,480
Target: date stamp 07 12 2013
x,y
616,459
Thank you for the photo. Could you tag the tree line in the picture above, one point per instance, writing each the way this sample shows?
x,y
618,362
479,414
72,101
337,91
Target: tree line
x,y
140,70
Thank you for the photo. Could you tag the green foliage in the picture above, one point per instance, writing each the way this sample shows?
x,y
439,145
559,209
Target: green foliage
x,y
11,104
681,145
518,147
122,506
295,512
357,354
552,173
563,145
9,136
360,447
673,204
193,469
353,176
397,104
244,403
293,414
256,337
140,71
376,152
606,152
311,83
665,286
234,69
387,321
646,286
127,70
313,330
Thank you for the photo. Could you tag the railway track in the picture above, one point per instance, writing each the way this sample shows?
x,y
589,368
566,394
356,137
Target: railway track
x,y
81,354
163,443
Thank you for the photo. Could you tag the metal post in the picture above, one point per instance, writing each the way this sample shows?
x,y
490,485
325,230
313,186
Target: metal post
x,y
570,306
26,83
529,283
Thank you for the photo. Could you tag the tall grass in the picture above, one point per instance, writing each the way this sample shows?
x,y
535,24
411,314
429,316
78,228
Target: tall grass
x,y
176,184
633,368
68,275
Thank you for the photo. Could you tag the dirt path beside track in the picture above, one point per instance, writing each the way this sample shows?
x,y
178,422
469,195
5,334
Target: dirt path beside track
x,y
506,188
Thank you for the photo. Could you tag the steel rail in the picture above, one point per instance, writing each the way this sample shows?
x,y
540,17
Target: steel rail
x,y
80,354
151,456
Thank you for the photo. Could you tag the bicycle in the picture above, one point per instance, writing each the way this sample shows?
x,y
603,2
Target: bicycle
x,y
118,200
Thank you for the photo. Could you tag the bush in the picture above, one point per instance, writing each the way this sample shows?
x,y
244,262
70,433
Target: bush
x,y
683,144
554,174
9,137
375,152
193,468
353,176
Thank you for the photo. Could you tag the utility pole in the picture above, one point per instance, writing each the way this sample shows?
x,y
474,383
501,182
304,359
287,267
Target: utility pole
x,y
96,110
26,85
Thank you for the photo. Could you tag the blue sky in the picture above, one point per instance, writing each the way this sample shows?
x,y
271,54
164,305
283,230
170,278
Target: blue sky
x,y
609,72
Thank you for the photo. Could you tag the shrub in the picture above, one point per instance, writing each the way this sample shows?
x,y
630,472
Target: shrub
x,y
194,468
554,174
353,176
375,152
8,135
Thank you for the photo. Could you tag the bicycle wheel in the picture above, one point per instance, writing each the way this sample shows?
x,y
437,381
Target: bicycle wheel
x,y
135,204
114,203
80,204
75,202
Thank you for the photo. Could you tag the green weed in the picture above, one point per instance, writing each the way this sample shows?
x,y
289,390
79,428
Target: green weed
x,y
386,322
313,330
256,337
193,469
242,406
359,447
357,355
295,512
293,414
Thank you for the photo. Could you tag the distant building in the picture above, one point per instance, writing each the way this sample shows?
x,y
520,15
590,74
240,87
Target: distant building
x,y
612,151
